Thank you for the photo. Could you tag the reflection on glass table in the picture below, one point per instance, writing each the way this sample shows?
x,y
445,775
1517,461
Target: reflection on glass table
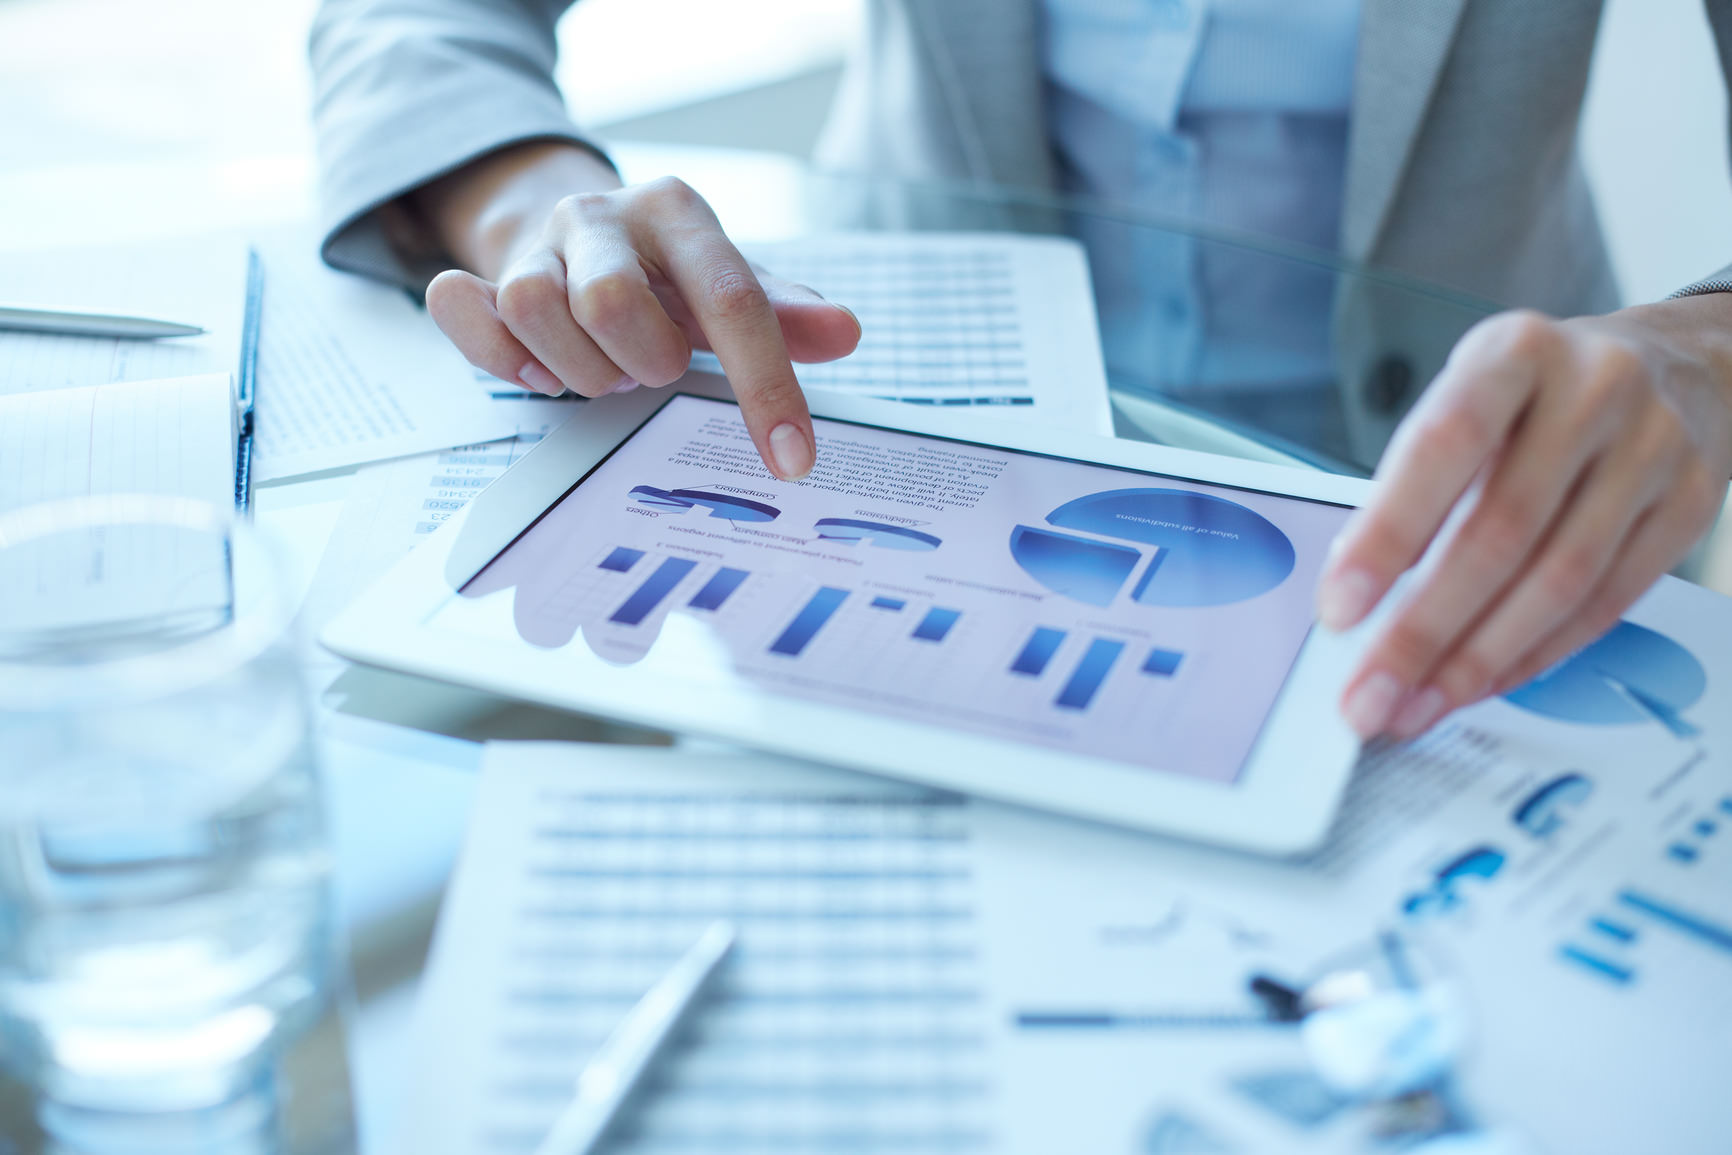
x,y
1212,339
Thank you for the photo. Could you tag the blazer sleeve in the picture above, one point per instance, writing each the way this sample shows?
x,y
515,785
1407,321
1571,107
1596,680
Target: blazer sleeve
x,y
407,90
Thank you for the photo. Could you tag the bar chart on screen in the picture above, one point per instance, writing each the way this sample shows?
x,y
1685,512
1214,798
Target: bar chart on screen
x,y
916,579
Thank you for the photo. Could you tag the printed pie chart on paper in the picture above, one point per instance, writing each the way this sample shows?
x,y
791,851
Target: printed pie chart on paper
x,y
1207,551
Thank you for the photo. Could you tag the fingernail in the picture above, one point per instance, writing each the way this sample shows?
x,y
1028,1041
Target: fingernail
x,y
624,385
1368,708
1418,714
790,452
858,327
1345,598
536,376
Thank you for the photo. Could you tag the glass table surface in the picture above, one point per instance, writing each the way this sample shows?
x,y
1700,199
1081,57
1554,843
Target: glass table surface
x,y
1212,341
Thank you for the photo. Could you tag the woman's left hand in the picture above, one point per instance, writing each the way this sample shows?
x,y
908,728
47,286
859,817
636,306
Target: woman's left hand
x,y
1559,468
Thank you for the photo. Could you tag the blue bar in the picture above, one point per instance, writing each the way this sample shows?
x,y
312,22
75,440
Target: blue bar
x,y
1596,964
1090,673
717,589
1163,663
1705,827
1726,805
656,587
1682,852
1612,929
1042,645
1710,933
936,624
622,559
808,621
888,603
1110,1021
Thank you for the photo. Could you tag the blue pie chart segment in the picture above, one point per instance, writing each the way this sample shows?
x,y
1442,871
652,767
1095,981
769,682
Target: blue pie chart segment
x,y
1632,674
723,505
1209,551
849,530
1544,812
1079,568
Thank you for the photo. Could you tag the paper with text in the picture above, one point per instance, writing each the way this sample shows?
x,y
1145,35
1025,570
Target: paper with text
x,y
351,371
957,319
922,972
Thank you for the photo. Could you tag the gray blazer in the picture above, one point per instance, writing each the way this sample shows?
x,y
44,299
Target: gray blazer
x,y
1463,165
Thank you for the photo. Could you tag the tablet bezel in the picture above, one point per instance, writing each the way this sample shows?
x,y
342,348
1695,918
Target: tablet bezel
x,y
1281,802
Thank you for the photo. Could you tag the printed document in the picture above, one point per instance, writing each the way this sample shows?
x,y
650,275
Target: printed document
x,y
957,319
351,371
919,971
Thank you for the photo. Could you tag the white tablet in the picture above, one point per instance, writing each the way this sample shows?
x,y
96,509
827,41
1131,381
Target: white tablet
x,y
1099,627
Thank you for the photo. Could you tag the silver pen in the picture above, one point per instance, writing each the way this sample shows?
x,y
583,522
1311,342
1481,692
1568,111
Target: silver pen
x,y
609,1078
71,324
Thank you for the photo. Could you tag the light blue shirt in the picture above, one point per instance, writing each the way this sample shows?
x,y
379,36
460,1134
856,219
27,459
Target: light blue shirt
x,y
1228,113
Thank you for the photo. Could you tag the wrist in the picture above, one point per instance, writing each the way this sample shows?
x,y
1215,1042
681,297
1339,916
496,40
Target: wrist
x,y
487,212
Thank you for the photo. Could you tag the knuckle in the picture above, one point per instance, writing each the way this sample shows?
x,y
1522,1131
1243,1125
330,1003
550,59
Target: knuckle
x,y
578,207
1617,361
530,295
671,192
666,364
1522,334
607,300
736,295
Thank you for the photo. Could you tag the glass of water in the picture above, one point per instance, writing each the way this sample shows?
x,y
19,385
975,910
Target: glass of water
x,y
164,913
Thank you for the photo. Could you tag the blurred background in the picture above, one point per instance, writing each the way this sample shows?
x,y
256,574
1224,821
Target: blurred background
x,y
109,103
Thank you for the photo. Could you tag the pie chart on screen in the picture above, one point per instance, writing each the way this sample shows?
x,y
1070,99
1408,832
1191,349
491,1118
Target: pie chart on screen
x,y
1169,547
1632,674
849,530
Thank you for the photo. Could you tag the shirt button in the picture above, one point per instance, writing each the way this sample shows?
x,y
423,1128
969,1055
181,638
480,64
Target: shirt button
x,y
1388,383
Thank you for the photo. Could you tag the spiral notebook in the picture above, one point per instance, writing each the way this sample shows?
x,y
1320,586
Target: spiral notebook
x,y
92,416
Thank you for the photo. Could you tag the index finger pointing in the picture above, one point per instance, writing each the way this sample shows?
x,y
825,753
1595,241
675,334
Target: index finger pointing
x,y
735,314
1457,427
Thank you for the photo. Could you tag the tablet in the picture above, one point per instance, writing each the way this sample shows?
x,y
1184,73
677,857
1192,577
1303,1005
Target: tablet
x,y
1098,627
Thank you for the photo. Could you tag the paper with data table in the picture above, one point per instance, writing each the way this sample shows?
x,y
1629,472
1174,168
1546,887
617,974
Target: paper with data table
x,y
957,319
921,971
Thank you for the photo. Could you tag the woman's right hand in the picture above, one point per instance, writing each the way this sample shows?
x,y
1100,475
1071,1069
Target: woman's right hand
x,y
614,287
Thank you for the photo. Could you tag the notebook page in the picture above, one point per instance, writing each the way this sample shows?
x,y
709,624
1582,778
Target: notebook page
x,y
851,1014
172,438
198,282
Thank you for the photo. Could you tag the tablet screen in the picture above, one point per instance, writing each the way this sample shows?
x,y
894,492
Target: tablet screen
x,y
1125,615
